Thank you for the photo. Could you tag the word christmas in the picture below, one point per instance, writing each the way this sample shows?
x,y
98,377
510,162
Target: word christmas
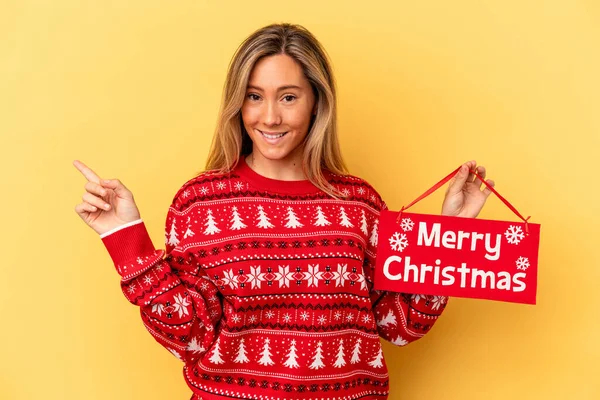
x,y
452,256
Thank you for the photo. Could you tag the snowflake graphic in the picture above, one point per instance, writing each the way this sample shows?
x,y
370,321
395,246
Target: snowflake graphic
x,y
514,234
148,280
131,288
349,317
235,318
238,186
337,315
204,286
269,314
303,315
398,241
361,190
346,192
186,193
252,319
407,224
221,185
322,319
204,190
366,318
287,317
522,263
438,301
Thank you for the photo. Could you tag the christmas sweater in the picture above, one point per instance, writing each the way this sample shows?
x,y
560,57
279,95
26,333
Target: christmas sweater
x,y
265,288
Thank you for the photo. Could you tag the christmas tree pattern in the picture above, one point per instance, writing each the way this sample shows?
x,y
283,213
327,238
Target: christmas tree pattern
x,y
344,220
211,225
340,362
215,358
194,346
363,223
356,352
266,354
377,361
173,239
188,232
263,220
291,357
399,341
241,355
321,219
236,220
389,319
374,234
317,358
292,219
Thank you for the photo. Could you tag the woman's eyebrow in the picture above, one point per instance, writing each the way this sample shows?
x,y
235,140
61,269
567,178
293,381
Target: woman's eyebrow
x,y
279,89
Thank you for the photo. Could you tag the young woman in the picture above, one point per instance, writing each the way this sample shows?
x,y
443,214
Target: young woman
x,y
264,290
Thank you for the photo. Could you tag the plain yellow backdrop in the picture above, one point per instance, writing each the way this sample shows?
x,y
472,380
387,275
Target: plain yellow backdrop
x,y
132,88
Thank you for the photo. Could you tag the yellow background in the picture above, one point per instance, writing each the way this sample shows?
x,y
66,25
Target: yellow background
x,y
132,88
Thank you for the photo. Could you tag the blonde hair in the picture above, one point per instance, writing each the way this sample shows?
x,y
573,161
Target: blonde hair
x,y
321,145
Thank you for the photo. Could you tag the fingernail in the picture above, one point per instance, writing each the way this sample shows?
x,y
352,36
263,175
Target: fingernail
x,y
107,206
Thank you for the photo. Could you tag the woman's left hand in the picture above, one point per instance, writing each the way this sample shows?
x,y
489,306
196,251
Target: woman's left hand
x,y
464,197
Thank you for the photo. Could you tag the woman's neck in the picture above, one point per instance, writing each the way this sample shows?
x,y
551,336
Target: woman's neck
x,y
288,169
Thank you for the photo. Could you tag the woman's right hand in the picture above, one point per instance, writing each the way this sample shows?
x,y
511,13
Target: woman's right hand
x,y
122,208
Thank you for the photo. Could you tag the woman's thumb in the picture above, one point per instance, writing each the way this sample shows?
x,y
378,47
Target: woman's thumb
x,y
459,180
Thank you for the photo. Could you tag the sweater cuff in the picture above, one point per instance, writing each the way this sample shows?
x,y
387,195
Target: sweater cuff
x,y
132,250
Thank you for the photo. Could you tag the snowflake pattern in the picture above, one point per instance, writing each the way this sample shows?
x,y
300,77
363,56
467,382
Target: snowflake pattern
x,y
437,302
361,190
221,185
514,234
204,190
407,224
398,241
238,186
522,263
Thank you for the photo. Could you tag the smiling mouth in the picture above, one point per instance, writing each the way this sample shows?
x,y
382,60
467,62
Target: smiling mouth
x,y
272,136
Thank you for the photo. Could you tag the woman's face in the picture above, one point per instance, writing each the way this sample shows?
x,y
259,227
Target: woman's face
x,y
278,107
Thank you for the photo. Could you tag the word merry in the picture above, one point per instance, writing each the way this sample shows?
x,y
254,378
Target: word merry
x,y
450,240
420,275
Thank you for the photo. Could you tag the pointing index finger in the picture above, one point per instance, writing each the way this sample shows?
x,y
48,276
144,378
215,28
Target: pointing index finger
x,y
86,171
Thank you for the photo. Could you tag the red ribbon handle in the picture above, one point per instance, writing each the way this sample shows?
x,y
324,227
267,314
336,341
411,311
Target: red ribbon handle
x,y
450,176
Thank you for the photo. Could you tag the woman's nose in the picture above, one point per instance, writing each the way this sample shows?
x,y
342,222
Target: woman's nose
x,y
271,117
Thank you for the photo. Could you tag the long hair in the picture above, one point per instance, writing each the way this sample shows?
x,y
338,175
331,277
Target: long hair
x,y
321,145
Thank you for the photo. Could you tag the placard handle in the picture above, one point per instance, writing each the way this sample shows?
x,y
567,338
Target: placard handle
x,y
450,176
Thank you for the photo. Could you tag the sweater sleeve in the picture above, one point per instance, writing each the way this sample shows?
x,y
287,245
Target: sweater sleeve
x,y
401,318
179,304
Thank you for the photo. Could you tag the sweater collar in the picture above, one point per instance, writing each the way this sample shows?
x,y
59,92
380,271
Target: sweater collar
x,y
264,183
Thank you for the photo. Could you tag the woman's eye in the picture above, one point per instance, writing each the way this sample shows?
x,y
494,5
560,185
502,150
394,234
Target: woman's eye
x,y
290,97
252,96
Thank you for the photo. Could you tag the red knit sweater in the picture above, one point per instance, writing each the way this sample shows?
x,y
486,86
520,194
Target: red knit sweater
x,y
265,288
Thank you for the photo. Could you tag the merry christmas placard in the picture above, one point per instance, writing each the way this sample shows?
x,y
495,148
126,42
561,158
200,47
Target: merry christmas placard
x,y
462,257
455,256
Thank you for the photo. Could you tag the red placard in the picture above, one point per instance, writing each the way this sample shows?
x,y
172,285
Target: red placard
x,y
454,256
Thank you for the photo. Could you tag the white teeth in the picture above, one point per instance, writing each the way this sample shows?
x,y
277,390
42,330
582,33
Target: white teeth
x,y
272,136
